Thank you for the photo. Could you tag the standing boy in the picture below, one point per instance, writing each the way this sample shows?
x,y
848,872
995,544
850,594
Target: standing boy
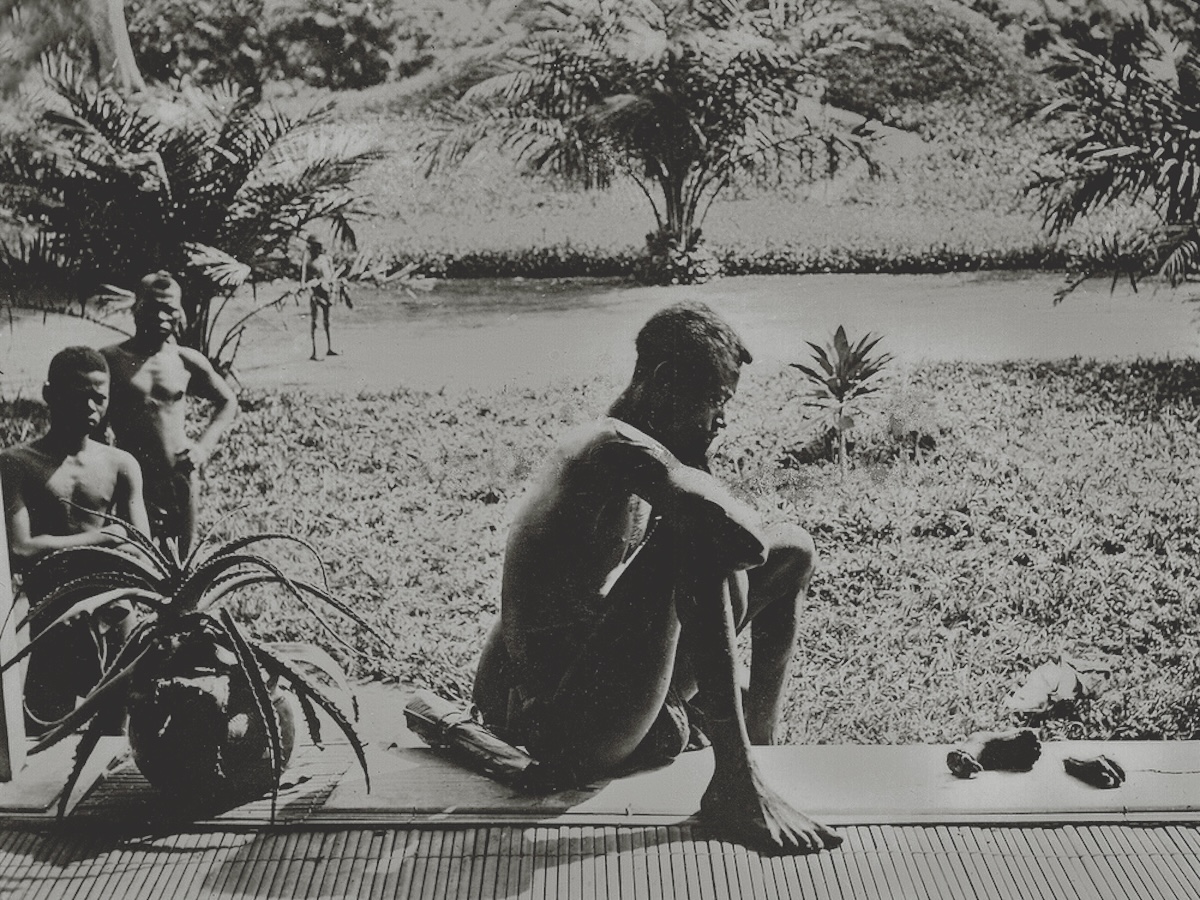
x,y
318,274
152,377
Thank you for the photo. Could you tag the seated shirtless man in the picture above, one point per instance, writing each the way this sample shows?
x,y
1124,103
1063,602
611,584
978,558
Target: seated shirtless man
x,y
627,574
55,490
152,377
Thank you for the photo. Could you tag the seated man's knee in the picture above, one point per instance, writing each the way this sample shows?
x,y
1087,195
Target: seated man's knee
x,y
793,547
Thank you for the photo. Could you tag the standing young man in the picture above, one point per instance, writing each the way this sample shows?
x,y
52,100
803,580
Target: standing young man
x,y
152,377
629,571
57,490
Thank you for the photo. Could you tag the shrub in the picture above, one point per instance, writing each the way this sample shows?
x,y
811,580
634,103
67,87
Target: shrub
x,y
207,42
336,44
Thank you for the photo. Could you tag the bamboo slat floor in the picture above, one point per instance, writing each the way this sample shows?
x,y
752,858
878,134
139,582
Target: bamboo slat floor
x,y
430,829
1089,862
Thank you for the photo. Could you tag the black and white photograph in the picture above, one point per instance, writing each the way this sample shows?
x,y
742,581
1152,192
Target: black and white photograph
x,y
599,449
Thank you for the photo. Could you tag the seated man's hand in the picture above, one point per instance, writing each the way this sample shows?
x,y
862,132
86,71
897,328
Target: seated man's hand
x,y
720,528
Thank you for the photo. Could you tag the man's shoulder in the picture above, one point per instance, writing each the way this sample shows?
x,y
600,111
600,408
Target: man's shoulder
x,y
22,462
115,351
607,430
18,455
614,444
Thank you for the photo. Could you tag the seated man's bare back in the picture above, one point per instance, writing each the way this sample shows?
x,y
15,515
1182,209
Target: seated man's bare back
x,y
627,574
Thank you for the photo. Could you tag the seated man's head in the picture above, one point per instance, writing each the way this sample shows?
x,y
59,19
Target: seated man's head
x,y
158,305
76,390
688,363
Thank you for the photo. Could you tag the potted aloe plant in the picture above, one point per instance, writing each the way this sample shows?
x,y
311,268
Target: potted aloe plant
x,y
207,721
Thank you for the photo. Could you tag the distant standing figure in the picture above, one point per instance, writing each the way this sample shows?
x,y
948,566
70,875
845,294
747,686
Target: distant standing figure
x,y
57,491
317,273
152,376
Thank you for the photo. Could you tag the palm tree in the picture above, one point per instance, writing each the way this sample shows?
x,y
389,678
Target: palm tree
x,y
211,186
1132,112
679,97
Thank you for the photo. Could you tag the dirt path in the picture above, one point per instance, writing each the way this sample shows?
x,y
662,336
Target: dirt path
x,y
476,335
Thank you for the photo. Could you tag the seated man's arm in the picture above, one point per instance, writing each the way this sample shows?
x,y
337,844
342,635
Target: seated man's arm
x,y
206,383
722,528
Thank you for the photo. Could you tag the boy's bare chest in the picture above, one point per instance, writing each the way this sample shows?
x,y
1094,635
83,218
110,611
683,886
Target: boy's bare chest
x,y
79,486
160,380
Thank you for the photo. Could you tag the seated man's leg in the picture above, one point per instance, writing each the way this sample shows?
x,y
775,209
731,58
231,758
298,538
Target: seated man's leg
x,y
737,799
768,600
777,590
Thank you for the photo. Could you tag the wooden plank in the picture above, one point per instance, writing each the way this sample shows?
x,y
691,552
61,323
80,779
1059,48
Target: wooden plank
x,y
13,746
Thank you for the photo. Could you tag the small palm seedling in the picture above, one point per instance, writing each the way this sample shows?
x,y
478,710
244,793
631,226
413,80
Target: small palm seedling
x,y
845,373
206,721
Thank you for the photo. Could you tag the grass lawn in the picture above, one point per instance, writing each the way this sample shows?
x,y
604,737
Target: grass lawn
x,y
1057,512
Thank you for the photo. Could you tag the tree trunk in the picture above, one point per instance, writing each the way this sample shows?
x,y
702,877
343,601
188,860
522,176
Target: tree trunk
x,y
110,38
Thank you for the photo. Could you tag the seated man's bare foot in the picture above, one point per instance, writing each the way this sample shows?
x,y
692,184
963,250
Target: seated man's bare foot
x,y
1100,771
995,751
742,807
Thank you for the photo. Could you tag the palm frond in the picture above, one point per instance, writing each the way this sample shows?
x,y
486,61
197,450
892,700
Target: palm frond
x,y
83,751
273,662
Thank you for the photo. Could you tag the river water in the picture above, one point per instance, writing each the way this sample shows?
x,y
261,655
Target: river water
x,y
480,334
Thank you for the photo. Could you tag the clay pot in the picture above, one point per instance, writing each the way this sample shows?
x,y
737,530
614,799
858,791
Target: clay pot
x,y
193,727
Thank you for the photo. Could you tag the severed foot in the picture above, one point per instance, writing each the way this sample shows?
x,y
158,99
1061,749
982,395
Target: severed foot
x,y
1099,772
743,808
995,751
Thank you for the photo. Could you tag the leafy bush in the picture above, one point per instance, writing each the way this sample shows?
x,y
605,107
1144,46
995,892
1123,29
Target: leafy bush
x,y
335,43
1056,514
207,42
591,262
930,51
